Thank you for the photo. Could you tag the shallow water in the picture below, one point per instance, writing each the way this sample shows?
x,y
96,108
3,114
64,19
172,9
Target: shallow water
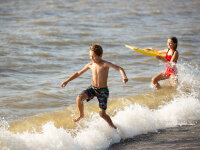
x,y
44,42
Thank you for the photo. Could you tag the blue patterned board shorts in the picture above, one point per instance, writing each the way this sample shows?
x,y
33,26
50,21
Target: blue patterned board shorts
x,y
102,95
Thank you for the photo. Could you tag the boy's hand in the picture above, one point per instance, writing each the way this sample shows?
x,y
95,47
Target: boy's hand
x,y
125,80
63,84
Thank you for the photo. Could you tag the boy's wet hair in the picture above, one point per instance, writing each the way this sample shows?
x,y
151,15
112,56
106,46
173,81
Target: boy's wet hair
x,y
97,49
175,41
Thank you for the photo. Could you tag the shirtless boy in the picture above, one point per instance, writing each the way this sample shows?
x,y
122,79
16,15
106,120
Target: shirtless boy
x,y
98,88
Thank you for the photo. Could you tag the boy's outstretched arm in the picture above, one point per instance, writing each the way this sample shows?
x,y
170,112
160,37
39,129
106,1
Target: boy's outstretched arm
x,y
120,69
75,75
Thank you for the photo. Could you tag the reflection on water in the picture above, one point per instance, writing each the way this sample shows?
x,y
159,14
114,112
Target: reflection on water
x,y
44,42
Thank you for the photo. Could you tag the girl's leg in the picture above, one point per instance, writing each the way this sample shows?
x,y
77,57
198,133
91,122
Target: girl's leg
x,y
173,80
79,101
157,78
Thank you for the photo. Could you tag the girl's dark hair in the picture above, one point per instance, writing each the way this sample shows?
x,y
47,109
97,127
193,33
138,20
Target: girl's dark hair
x,y
175,40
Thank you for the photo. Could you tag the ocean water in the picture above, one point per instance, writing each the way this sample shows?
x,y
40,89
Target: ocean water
x,y
43,42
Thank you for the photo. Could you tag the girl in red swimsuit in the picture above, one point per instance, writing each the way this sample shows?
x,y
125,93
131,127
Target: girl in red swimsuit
x,y
170,60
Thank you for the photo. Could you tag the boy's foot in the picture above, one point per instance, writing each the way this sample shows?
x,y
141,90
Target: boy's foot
x,y
114,126
119,131
78,118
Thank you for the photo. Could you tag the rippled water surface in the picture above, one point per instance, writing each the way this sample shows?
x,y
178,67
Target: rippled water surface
x,y
42,42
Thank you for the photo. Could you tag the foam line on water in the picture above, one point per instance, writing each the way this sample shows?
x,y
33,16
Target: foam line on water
x,y
96,134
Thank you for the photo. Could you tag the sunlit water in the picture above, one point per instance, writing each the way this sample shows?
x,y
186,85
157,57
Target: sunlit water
x,y
43,42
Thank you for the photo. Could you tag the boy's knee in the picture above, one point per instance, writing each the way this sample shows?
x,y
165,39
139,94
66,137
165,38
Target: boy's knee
x,y
80,97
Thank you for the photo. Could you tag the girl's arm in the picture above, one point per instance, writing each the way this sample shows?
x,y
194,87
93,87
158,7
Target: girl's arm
x,y
75,75
160,57
162,51
157,50
174,57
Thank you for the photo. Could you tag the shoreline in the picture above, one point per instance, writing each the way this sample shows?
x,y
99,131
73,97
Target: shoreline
x,y
180,137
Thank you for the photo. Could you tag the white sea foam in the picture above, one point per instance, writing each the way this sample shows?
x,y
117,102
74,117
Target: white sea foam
x,y
95,133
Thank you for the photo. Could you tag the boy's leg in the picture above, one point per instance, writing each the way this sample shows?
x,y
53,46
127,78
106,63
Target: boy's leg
x,y
79,101
107,118
158,77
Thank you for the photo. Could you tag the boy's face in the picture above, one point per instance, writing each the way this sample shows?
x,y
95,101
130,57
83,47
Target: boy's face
x,y
95,58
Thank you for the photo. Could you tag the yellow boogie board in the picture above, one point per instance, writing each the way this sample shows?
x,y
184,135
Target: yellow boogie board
x,y
149,52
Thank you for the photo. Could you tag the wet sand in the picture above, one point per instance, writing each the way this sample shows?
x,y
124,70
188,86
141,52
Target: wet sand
x,y
181,137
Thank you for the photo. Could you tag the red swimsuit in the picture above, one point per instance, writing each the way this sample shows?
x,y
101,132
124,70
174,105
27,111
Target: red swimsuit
x,y
170,69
